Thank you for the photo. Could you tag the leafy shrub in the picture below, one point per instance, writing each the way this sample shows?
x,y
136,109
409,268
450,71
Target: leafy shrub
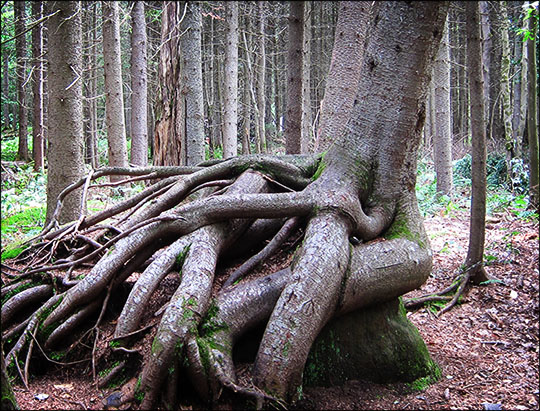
x,y
462,171
10,146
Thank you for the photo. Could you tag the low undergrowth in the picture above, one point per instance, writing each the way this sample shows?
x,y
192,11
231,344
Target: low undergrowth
x,y
24,195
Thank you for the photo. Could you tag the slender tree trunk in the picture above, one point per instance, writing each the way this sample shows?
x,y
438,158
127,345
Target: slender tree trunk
x,y
65,154
37,87
306,133
5,91
495,128
532,116
93,106
293,117
20,48
520,92
192,92
246,111
442,142
344,73
477,231
486,55
114,96
230,88
506,99
261,76
139,87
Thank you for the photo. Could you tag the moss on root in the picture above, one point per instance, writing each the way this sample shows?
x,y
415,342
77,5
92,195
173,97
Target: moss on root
x,y
376,343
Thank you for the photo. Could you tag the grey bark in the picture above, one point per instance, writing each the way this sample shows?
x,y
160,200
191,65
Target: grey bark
x,y
477,230
506,100
37,89
114,95
65,154
344,73
442,139
230,87
364,186
139,87
486,53
192,92
20,49
293,116
261,76
520,92
306,133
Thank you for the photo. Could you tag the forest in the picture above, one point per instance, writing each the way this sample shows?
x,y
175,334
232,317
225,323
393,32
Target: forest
x,y
270,205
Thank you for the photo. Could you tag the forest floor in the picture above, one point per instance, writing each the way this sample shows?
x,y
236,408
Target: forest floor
x,y
487,347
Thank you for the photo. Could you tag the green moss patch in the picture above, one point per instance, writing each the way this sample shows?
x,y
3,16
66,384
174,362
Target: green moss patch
x,y
377,343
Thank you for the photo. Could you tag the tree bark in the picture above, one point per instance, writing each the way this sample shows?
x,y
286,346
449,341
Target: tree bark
x,y
37,88
230,88
192,92
20,48
506,100
477,230
344,74
5,91
362,187
9,402
114,96
169,134
532,116
65,154
306,133
495,125
139,87
442,139
261,76
293,116
520,92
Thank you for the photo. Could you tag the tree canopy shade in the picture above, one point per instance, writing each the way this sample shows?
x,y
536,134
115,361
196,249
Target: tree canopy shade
x,y
362,187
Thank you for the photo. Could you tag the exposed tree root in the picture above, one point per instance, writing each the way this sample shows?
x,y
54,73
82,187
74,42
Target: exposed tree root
x,y
457,287
328,276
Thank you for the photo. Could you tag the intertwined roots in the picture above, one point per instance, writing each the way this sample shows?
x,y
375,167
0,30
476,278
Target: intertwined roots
x,y
186,220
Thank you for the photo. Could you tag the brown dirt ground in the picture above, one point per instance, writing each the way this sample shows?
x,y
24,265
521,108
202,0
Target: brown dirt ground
x,y
487,347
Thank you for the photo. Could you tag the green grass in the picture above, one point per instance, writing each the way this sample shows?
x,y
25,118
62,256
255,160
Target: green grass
x,y
20,227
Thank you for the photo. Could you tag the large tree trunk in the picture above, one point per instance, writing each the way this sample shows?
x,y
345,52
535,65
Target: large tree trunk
x,y
20,48
65,154
230,87
293,117
477,230
344,73
139,87
442,139
362,187
114,96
